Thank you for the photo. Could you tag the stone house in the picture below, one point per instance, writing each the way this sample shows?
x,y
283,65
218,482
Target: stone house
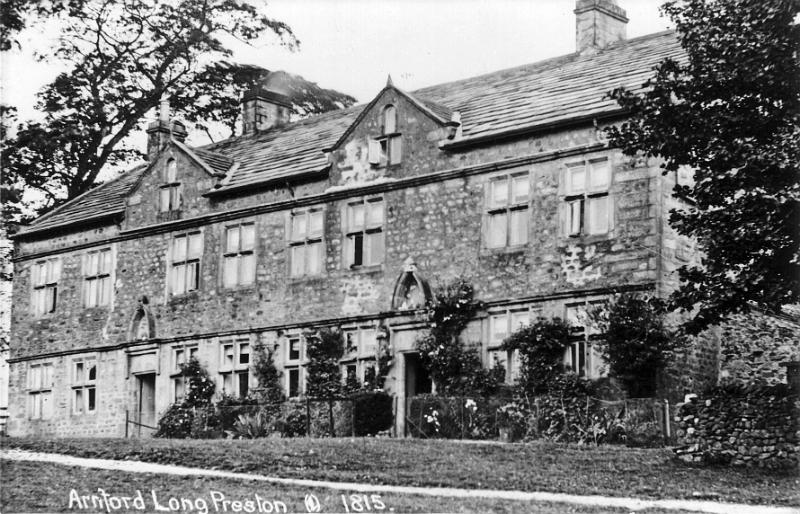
x,y
346,219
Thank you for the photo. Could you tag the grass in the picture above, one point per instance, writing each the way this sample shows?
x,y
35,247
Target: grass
x,y
45,487
606,470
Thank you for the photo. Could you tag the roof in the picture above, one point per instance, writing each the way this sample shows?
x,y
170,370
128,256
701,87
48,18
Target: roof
x,y
540,94
104,201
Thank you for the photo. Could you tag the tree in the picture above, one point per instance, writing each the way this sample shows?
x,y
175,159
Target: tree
x,y
636,343
124,57
731,112
323,375
269,390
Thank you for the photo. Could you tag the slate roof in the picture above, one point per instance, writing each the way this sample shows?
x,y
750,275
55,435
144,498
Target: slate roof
x,y
105,200
538,94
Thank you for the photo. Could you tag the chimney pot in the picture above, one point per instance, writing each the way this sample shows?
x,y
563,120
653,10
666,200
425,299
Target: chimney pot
x,y
162,130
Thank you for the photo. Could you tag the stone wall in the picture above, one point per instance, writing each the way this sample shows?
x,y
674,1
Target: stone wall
x,y
757,426
754,347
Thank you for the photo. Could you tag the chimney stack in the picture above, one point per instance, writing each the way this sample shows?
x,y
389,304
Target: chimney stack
x,y
263,109
598,23
160,131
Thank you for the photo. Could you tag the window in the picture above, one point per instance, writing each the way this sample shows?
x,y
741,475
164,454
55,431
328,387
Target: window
x,y
364,236
184,275
587,208
307,252
97,267
387,148
582,357
508,210
170,188
180,355
359,360
295,374
84,386
501,325
239,257
40,389
44,277
235,367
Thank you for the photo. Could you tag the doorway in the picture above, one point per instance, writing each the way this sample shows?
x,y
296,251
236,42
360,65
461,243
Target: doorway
x,y
146,403
418,380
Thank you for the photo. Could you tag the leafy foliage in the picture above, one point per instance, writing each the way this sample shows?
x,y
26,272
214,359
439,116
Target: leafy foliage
x,y
324,348
455,370
731,112
178,420
541,347
636,344
373,412
123,57
270,390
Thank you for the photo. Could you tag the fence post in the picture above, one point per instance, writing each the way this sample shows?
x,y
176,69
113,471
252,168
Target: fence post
x,y
461,403
330,418
126,423
667,421
353,416
308,417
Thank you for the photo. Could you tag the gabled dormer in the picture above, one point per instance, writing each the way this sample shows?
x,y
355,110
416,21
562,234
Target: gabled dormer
x,y
176,178
395,135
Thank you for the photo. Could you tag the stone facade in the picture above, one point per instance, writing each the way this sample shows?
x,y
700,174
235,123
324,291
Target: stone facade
x,y
431,212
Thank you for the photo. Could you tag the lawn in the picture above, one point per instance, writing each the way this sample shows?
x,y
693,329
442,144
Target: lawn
x,y
607,470
45,487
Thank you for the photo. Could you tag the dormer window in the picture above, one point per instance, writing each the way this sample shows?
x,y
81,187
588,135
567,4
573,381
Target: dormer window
x,y
170,188
386,149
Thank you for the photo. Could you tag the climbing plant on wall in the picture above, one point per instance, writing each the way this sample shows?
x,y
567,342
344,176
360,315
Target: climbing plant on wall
x,y
541,347
324,348
454,368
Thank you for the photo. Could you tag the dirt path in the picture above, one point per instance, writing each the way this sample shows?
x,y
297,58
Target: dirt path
x,y
442,492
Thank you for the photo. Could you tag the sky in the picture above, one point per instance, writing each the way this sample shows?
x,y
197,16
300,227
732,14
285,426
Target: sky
x,y
352,45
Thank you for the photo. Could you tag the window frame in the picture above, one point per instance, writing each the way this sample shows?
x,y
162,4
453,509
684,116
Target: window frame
x,y
187,351
577,218
41,391
172,186
239,255
306,241
582,345
83,387
232,374
186,263
45,291
386,150
363,354
507,210
368,231
296,364
98,277
493,347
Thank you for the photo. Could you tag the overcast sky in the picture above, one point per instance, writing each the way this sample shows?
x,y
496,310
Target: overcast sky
x,y
352,45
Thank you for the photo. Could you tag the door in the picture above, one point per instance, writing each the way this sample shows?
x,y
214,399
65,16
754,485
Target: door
x,y
146,408
418,381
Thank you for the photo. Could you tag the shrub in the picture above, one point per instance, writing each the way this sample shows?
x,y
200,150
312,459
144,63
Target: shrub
x,y
373,412
433,416
269,391
178,420
454,369
541,347
324,377
292,422
251,426
636,343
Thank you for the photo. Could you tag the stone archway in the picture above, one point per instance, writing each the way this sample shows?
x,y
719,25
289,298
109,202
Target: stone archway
x,y
143,323
411,291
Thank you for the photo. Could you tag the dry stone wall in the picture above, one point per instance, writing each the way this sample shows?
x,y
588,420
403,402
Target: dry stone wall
x,y
756,426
